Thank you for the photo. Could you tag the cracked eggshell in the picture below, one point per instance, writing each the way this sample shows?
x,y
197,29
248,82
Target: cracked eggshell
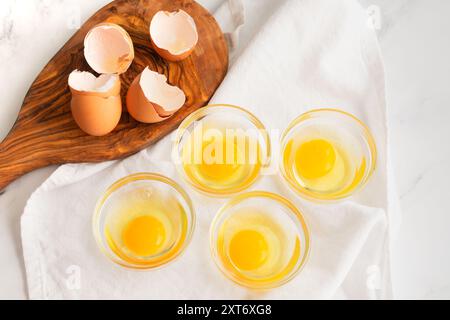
x,y
150,99
108,48
174,35
96,104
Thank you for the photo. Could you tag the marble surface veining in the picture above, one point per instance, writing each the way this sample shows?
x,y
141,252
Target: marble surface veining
x,y
414,38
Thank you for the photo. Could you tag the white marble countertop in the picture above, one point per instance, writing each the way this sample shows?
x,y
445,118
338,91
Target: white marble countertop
x,y
414,37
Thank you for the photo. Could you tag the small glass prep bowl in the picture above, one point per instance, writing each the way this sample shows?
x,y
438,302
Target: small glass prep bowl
x,y
143,186
331,124
230,118
274,213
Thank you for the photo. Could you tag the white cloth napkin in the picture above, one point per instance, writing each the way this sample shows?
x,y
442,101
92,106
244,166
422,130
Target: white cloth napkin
x,y
306,54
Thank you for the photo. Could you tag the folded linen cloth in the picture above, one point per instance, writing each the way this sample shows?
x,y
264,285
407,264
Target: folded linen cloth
x,y
306,54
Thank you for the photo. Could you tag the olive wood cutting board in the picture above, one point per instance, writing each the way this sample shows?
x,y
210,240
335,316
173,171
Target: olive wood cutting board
x,y
45,132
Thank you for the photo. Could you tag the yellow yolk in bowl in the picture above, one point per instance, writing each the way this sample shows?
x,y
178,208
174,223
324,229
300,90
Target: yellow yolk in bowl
x,y
144,236
146,227
315,159
248,250
220,171
222,164
323,167
255,247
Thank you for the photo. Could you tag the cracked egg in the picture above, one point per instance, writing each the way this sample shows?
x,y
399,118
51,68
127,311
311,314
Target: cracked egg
x,y
174,35
108,48
150,99
96,104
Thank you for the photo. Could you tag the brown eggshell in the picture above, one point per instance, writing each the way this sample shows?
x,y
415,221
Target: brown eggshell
x,y
99,52
165,54
114,91
178,25
139,107
95,115
96,104
162,112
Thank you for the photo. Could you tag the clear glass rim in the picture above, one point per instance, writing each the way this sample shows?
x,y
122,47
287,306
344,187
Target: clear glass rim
x,y
368,137
294,211
199,114
143,176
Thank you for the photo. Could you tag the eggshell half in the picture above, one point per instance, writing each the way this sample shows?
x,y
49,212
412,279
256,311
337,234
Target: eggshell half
x,y
108,48
174,35
150,99
96,104
85,83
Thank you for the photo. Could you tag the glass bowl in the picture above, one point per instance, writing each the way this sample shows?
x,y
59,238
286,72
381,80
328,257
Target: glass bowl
x,y
236,247
354,155
243,149
134,197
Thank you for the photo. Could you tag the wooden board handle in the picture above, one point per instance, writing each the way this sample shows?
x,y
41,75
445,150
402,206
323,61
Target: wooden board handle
x,y
17,159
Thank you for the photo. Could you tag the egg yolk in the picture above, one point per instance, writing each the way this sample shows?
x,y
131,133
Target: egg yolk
x,y
222,170
144,236
248,250
315,159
